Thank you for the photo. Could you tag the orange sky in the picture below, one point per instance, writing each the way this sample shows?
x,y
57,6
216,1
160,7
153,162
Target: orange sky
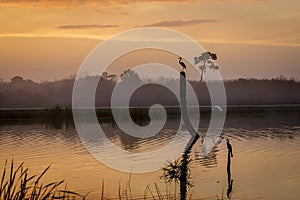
x,y
46,40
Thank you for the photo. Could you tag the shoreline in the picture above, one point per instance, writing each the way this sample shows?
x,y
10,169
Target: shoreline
x,y
65,113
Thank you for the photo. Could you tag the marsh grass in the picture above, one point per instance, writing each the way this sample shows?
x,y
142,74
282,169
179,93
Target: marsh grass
x,y
221,197
17,184
152,192
156,192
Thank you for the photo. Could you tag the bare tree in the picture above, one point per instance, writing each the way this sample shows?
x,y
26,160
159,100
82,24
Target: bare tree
x,y
206,60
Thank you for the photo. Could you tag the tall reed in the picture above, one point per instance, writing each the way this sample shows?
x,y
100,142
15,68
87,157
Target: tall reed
x,y
17,184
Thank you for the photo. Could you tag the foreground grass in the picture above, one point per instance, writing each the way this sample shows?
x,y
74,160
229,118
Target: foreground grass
x,y
17,184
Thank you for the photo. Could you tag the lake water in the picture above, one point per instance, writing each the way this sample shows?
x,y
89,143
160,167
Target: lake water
x,y
266,162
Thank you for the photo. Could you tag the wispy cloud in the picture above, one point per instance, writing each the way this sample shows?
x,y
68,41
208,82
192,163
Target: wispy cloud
x,y
86,26
176,23
75,3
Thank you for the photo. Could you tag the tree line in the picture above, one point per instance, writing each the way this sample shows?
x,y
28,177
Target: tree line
x,y
21,93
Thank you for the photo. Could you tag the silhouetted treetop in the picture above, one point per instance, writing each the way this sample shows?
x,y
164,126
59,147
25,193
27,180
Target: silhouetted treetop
x,y
206,60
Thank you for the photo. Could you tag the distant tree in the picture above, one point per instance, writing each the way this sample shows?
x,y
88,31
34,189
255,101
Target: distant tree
x,y
104,74
107,76
281,77
17,79
206,60
111,76
128,73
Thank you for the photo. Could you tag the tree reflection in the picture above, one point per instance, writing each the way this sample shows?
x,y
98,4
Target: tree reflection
x,y
179,171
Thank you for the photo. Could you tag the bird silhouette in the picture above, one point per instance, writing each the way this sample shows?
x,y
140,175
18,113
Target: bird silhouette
x,y
181,63
229,147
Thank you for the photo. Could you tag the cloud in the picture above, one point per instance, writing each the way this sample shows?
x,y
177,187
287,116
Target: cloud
x,y
75,3
47,3
176,23
87,26
116,10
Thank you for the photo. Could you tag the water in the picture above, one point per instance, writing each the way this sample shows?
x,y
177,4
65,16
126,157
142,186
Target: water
x,y
266,162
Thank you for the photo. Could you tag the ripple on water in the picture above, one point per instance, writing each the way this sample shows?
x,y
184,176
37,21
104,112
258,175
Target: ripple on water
x,y
271,151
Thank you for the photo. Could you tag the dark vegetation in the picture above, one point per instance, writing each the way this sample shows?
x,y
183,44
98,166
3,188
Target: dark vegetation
x,y
51,101
17,184
20,93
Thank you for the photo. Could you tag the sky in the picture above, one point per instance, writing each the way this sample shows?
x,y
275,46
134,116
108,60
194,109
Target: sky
x,y
49,39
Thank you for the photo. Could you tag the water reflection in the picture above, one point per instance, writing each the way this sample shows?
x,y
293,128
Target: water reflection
x,y
246,127
229,179
58,117
179,171
258,143
209,161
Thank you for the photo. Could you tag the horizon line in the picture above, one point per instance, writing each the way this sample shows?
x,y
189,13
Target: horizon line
x,y
279,77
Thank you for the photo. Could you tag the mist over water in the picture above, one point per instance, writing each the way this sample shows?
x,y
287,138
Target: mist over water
x,y
238,92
